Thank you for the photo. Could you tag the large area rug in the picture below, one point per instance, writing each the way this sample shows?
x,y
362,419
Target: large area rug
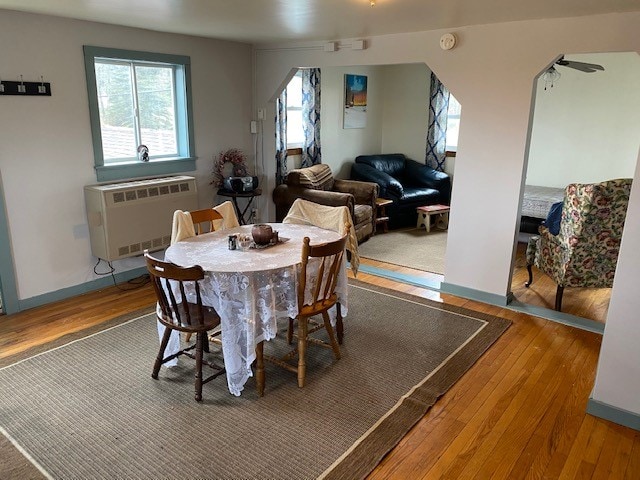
x,y
411,248
89,408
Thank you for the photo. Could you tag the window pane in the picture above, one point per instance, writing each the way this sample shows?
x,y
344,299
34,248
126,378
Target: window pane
x,y
453,129
454,106
156,109
115,103
294,92
453,123
295,134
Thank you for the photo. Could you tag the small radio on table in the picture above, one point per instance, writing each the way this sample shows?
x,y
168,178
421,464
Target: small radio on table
x,y
240,184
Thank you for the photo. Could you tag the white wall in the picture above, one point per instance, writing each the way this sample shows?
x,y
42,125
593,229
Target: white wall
x,y
491,73
585,128
46,154
397,115
340,146
618,378
406,114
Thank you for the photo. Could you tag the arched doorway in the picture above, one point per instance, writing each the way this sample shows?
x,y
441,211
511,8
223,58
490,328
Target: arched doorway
x,y
583,130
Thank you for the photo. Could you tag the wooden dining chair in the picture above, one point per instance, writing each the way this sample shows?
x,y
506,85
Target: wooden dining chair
x,y
202,217
182,315
323,296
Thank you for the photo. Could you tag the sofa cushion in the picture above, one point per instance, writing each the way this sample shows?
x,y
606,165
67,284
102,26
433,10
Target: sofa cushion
x,y
316,177
426,196
390,163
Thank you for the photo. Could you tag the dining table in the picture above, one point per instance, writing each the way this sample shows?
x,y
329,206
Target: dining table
x,y
251,288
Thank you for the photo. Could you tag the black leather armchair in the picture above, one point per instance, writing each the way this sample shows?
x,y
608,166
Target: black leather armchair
x,y
409,184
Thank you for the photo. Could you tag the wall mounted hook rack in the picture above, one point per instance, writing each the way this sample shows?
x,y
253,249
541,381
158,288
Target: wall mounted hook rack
x,y
40,89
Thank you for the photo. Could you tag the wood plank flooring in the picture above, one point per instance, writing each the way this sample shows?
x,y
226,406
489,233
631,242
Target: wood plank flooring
x,y
519,413
591,303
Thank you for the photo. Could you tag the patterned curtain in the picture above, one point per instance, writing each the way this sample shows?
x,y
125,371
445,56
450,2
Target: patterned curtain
x,y
437,132
311,117
281,137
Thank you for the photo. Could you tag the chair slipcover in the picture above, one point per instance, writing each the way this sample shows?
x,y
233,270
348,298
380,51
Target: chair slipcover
x,y
229,217
331,218
183,227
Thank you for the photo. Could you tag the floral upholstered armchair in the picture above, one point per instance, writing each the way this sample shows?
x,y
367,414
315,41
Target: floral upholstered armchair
x,y
585,251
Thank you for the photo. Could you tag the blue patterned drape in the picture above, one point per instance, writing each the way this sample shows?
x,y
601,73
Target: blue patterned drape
x,y
437,131
281,137
311,154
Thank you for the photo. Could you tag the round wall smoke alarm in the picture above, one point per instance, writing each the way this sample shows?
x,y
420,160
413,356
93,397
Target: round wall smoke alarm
x,y
447,41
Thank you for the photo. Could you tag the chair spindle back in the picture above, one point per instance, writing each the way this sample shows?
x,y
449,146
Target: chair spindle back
x,y
330,256
205,216
173,310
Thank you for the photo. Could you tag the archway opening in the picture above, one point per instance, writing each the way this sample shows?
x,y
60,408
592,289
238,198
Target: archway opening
x,y
584,130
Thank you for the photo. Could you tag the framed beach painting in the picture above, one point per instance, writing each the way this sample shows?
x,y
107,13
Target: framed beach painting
x,y
355,101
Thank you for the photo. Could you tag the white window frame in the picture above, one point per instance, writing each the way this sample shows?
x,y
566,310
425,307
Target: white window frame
x,y
293,145
450,147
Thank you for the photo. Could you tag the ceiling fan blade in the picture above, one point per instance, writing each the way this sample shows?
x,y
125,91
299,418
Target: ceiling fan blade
x,y
581,66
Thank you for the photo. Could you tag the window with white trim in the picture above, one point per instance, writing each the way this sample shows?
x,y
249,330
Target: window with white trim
x,y
295,132
139,99
453,124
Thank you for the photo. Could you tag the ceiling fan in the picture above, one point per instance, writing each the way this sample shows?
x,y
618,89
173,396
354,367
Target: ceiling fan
x,y
581,66
552,75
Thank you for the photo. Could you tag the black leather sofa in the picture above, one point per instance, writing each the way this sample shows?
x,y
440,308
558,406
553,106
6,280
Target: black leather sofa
x,y
409,184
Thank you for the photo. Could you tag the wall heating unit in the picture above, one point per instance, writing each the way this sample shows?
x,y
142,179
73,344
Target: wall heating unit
x,y
129,217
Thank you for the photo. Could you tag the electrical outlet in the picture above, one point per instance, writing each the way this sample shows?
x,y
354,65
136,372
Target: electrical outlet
x,y
262,114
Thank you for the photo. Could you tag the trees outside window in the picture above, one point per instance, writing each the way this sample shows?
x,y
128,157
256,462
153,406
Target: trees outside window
x,y
139,99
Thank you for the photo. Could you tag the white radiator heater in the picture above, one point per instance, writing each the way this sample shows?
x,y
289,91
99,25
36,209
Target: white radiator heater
x,y
127,218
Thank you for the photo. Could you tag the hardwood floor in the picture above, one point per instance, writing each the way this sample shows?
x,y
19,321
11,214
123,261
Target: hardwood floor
x,y
47,323
518,413
591,303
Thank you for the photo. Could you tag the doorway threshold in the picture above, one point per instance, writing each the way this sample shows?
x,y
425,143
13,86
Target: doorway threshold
x,y
559,317
515,305
414,280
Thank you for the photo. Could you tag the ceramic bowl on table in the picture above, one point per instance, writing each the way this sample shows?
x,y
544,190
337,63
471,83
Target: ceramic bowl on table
x,y
262,234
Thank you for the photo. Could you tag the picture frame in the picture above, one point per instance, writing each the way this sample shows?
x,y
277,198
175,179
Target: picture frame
x,y
355,101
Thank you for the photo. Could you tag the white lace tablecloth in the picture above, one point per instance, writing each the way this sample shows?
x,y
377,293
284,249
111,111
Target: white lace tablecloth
x,y
250,289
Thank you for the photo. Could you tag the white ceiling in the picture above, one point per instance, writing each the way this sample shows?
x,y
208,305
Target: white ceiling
x,y
263,21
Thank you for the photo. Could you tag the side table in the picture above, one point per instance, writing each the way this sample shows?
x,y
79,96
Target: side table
x,y
424,216
234,198
381,215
